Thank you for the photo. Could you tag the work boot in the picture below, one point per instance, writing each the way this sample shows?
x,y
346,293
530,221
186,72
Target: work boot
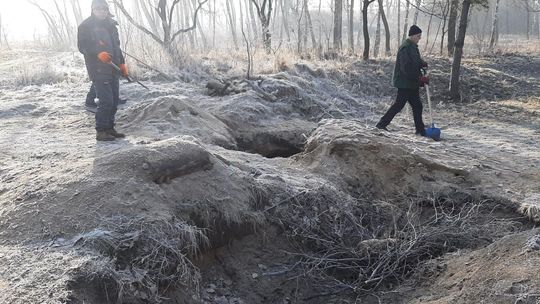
x,y
116,134
104,136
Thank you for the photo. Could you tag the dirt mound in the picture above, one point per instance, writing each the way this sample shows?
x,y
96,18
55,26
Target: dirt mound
x,y
502,272
178,213
166,115
382,164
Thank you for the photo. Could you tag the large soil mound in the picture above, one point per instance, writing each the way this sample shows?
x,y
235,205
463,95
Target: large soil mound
x,y
281,192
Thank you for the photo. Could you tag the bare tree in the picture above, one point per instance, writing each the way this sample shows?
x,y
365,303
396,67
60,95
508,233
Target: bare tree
x,y
418,3
494,27
351,26
406,24
59,37
452,20
365,6
264,11
386,29
377,45
338,24
399,23
458,49
165,13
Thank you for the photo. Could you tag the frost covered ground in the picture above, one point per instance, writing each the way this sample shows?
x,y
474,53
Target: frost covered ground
x,y
236,196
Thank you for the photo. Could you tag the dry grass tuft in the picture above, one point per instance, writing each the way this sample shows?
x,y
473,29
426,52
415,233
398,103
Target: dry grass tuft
x,y
146,257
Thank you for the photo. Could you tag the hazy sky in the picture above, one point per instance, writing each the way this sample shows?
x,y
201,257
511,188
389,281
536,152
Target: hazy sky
x,y
23,20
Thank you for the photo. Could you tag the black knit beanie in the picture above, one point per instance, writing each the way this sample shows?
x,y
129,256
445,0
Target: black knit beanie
x,y
414,30
99,3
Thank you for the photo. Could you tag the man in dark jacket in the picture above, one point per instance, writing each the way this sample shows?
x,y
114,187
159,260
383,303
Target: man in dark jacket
x,y
99,42
408,79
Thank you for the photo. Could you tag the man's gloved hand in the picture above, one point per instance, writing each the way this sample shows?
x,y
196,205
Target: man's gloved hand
x,y
105,57
424,80
424,65
124,70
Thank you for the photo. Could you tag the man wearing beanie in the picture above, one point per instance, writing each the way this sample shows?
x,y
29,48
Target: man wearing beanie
x,y
99,42
408,79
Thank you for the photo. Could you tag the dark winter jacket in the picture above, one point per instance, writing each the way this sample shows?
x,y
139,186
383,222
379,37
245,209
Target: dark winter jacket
x,y
408,66
96,36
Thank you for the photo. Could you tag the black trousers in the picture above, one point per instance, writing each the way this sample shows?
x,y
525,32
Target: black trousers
x,y
107,92
92,95
404,95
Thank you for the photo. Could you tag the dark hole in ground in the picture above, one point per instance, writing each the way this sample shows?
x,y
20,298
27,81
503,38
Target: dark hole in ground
x,y
93,290
270,146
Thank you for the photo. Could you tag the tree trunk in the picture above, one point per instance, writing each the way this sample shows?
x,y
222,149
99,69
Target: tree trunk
x,y
452,18
232,23
398,37
458,51
285,9
445,19
365,28
338,23
494,27
150,17
386,29
351,26
528,22
377,45
310,25
264,11
418,3
429,27
299,29
77,11
406,24
253,22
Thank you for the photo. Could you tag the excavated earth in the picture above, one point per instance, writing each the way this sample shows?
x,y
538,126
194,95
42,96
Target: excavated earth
x,y
282,194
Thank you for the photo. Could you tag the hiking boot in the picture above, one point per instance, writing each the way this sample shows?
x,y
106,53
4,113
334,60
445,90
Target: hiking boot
x,y
104,136
116,134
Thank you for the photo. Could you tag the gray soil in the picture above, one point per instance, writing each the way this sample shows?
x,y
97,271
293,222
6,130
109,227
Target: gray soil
x,y
280,191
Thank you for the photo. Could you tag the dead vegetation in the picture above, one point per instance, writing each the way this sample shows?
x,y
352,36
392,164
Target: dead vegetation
x,y
145,259
365,245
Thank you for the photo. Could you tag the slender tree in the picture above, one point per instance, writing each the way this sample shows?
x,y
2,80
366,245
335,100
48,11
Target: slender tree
x,y
338,24
452,21
417,11
365,6
377,46
165,12
494,38
264,11
386,29
351,26
460,42
406,24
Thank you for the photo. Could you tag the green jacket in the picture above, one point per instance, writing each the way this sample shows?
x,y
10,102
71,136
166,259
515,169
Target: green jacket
x,y
408,66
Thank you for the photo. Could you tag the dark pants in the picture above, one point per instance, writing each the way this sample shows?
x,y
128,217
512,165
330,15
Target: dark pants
x,y
107,92
404,95
91,96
